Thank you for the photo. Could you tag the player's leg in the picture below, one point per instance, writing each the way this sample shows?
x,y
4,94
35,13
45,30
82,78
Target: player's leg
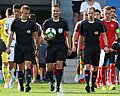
x,y
20,66
34,69
112,70
103,73
87,70
1,77
5,70
95,63
29,58
118,67
20,76
59,69
49,67
61,54
28,74
11,68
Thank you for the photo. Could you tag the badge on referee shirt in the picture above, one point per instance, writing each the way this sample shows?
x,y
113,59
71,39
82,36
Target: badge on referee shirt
x,y
96,33
28,31
60,30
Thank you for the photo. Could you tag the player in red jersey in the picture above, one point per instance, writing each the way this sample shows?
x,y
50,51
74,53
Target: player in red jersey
x,y
75,38
111,33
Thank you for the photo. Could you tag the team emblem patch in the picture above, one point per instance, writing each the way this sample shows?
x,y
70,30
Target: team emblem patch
x,y
112,25
60,30
96,32
28,31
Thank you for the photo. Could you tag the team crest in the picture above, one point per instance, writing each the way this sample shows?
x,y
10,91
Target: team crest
x,y
60,30
112,25
28,31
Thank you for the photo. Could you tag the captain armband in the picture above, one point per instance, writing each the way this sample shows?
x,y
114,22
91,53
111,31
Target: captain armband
x,y
117,30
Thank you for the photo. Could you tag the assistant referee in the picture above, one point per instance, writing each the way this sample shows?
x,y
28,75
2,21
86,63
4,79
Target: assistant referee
x,y
25,31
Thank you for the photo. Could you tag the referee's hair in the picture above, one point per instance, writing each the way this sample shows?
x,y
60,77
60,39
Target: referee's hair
x,y
91,8
25,7
16,6
107,8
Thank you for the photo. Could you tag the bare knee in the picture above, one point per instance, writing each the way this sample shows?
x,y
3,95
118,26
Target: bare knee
x,y
59,64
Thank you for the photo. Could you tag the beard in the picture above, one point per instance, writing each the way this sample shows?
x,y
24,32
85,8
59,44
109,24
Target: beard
x,y
91,17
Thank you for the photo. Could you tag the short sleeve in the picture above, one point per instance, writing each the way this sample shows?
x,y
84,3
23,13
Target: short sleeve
x,y
81,29
102,27
12,28
77,27
66,26
34,28
44,26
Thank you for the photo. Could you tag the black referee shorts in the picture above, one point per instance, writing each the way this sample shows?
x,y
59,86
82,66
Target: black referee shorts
x,y
92,56
111,56
56,52
24,53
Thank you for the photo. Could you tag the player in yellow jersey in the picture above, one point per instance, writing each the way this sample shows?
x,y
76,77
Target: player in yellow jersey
x,y
4,55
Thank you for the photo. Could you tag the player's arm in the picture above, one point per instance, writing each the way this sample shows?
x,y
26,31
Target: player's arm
x,y
105,39
6,25
39,34
36,40
106,49
79,44
10,38
74,38
68,42
68,39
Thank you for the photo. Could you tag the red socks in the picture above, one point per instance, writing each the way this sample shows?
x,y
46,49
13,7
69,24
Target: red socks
x,y
103,75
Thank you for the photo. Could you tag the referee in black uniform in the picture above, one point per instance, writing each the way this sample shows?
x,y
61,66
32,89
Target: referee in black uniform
x,y
90,29
59,47
25,30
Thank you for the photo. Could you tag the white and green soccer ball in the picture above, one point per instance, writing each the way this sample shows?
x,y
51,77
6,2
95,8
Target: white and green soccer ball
x,y
50,33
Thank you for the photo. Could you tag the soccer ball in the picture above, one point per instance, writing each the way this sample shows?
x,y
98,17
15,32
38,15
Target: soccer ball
x,y
50,34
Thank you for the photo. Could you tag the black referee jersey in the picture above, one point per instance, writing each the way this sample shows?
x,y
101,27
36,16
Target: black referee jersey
x,y
23,30
60,26
91,31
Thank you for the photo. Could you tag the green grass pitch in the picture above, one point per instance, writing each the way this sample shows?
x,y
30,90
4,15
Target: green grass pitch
x,y
42,89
